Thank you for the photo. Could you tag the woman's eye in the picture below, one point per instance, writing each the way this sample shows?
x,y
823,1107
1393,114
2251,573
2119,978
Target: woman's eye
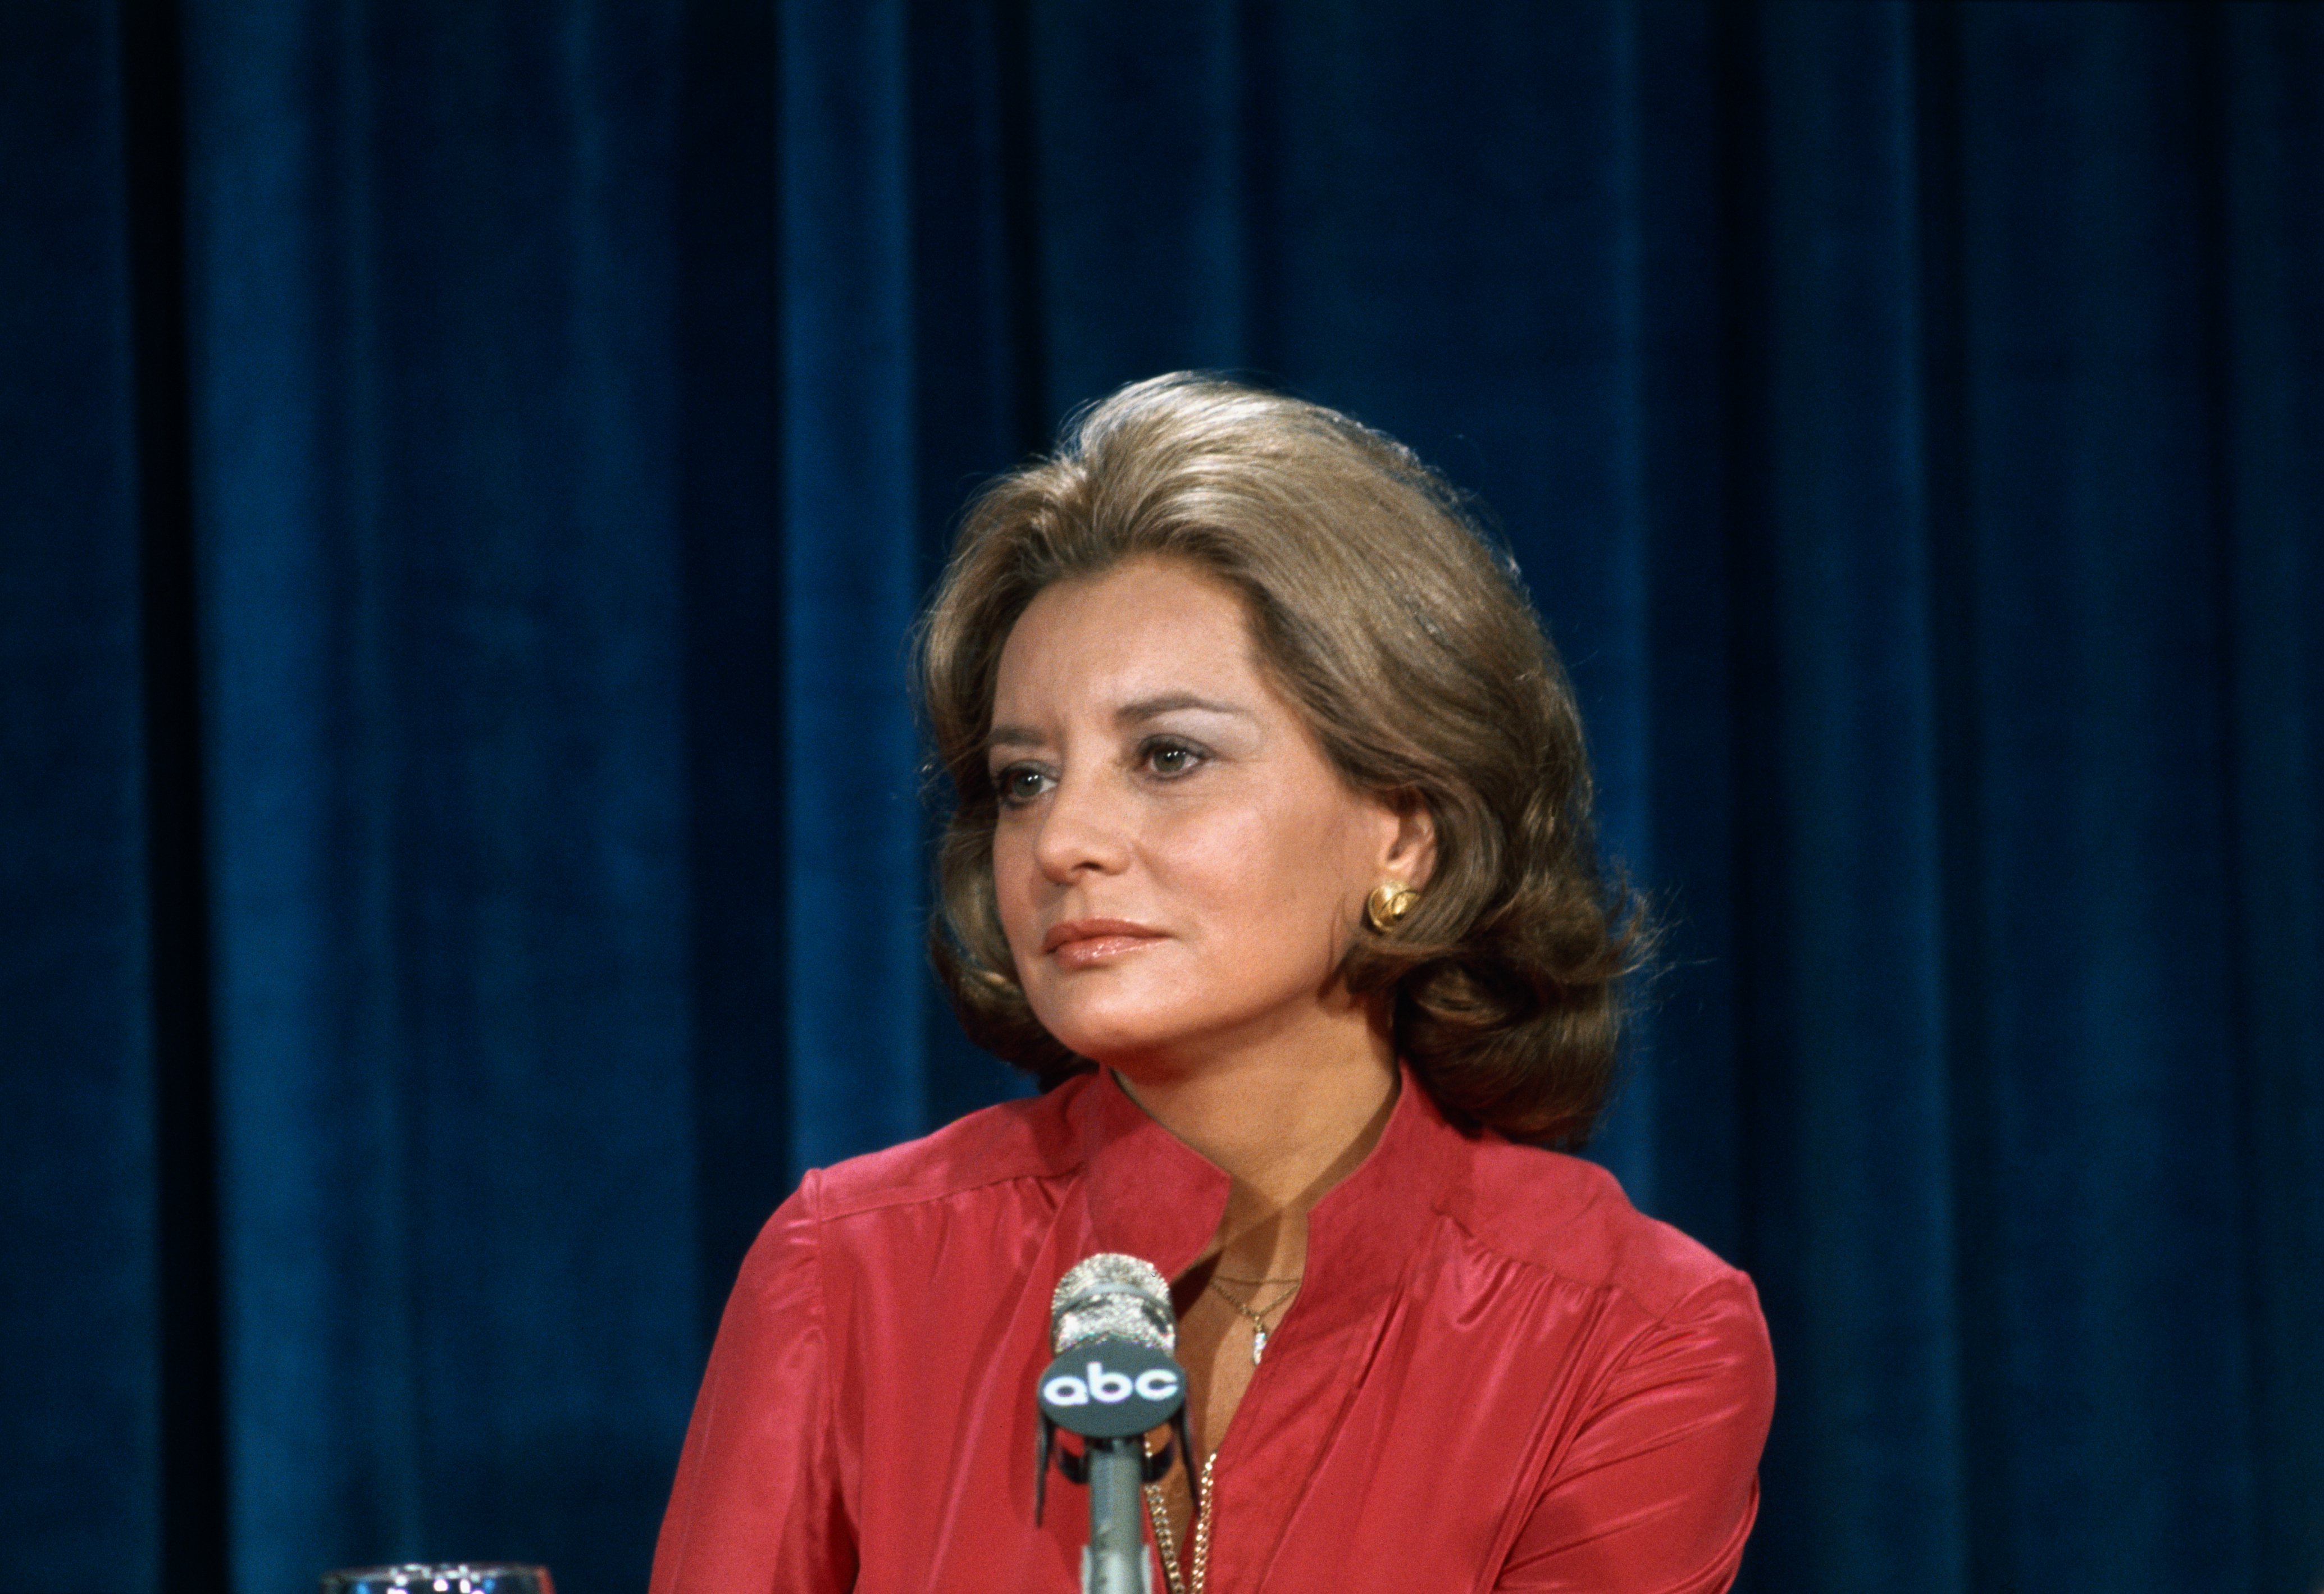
x,y
1168,759
1019,784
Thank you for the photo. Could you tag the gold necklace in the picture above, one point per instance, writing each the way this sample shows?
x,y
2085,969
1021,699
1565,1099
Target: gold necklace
x,y
1258,1314
1157,1511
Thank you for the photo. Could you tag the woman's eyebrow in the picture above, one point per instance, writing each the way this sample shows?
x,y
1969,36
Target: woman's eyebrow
x,y
1128,713
1148,708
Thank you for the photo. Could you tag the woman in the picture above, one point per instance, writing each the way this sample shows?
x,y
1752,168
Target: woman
x,y
1272,859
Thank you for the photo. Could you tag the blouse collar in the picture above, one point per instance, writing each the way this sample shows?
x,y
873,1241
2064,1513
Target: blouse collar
x,y
1154,1196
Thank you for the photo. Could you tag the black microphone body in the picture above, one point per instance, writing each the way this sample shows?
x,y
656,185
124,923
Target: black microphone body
x,y
1115,1561
1113,1328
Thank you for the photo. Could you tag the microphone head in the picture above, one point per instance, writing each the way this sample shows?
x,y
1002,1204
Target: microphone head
x,y
1112,1297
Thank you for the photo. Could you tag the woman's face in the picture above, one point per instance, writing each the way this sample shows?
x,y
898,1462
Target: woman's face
x,y
1178,868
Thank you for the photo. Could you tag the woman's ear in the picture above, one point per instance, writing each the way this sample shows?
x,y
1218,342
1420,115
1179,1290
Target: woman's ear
x,y
1411,855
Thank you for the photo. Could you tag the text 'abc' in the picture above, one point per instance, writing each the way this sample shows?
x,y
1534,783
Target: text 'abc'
x,y
1110,1388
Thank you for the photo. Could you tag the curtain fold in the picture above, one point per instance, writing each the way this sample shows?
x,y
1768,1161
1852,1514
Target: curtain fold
x,y
851,569
81,1378
1909,419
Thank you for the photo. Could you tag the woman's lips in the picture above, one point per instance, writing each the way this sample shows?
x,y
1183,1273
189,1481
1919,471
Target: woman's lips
x,y
1081,944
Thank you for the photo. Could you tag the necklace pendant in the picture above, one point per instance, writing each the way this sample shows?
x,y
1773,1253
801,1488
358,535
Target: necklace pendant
x,y
1257,1345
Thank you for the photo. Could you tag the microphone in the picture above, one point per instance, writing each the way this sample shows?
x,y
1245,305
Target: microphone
x,y
1112,1329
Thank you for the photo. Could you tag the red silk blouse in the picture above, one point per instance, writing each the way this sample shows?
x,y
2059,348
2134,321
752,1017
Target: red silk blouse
x,y
1498,1375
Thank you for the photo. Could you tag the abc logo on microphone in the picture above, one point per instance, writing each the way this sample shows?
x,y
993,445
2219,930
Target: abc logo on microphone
x,y
1110,1390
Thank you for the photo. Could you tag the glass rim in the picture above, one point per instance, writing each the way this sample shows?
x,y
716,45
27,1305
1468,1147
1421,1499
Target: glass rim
x,y
449,1576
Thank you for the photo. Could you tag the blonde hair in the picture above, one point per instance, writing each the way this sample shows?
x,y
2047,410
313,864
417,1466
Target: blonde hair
x,y
1409,648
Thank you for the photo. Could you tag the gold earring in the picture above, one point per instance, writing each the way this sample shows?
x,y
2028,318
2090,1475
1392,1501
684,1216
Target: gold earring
x,y
1389,901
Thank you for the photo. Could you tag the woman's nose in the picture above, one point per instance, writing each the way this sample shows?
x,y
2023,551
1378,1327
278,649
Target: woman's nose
x,y
1083,830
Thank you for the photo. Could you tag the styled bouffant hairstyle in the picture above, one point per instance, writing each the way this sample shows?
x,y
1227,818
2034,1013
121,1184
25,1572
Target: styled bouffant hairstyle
x,y
1409,648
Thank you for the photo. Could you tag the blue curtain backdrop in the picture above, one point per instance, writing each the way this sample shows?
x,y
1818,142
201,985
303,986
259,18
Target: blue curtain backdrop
x,y
468,470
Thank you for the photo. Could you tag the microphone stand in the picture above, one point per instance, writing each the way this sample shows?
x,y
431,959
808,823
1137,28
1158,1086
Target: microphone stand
x,y
1116,1468
1112,1384
1115,1561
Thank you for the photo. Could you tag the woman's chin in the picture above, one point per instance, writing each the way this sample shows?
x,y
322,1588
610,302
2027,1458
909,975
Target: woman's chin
x,y
1163,1035
1135,1039
1132,1049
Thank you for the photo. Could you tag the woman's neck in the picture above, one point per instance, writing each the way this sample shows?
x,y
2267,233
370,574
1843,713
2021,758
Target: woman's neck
x,y
1285,1122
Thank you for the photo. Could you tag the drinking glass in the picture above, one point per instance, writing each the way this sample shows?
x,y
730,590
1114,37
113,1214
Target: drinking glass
x,y
448,1577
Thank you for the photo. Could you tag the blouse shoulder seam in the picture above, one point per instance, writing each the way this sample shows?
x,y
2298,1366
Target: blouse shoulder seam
x,y
1726,1275
888,1200
826,1414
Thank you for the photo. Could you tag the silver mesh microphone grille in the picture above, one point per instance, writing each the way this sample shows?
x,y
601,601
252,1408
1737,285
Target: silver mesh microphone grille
x,y
1112,1297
